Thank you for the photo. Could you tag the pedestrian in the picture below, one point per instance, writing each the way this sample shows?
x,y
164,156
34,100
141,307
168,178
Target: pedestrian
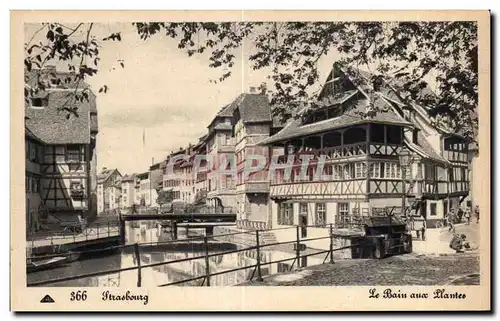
x,y
467,216
419,227
477,213
460,215
450,220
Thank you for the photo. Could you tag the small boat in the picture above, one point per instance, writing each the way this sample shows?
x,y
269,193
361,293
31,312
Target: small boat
x,y
39,265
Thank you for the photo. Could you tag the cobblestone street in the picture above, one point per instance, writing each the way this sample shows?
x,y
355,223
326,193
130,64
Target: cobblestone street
x,y
402,270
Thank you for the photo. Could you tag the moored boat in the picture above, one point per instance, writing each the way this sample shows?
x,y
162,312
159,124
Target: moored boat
x,y
44,264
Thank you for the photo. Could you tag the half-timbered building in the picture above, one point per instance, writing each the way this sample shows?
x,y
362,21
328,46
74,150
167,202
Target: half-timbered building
x,y
65,143
362,174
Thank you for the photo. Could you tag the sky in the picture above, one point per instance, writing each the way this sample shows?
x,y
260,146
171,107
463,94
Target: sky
x,y
160,92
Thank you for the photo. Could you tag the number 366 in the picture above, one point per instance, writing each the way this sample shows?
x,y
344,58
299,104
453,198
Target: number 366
x,y
78,296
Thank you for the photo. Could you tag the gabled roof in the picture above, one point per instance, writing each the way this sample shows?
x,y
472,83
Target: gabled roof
x,y
128,178
53,125
225,112
105,174
392,88
253,108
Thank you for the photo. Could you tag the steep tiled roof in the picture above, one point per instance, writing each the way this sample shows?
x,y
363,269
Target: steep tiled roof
x,y
254,108
105,174
53,125
424,148
128,178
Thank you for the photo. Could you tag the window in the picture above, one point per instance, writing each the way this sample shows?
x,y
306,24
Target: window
x,y
360,170
375,170
347,171
285,214
303,209
392,170
433,209
34,185
76,189
40,102
320,217
377,133
33,152
343,210
430,172
394,135
28,185
73,153
337,172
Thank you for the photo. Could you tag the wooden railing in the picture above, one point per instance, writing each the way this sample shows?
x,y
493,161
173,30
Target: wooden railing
x,y
259,246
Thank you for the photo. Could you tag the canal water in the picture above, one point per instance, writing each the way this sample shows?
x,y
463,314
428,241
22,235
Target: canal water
x,y
160,251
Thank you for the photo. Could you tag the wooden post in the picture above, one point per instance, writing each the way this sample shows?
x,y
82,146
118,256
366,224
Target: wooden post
x,y
207,262
331,244
297,250
174,229
259,272
122,231
138,258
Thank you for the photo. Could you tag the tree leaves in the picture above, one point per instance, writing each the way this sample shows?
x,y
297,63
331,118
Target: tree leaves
x,y
405,53
103,89
114,37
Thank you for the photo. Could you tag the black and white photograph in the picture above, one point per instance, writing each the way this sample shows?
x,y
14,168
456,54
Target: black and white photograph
x,y
254,153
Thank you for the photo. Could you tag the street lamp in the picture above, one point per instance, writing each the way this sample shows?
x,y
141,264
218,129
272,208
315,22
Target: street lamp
x,y
404,161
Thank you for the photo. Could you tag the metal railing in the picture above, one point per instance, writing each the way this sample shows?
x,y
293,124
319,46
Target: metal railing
x,y
207,255
75,232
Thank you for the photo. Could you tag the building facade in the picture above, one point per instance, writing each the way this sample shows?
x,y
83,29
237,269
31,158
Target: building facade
x,y
145,191
361,173
60,147
108,190
252,124
128,198
221,187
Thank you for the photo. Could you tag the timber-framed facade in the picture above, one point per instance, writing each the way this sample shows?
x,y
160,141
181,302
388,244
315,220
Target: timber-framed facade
x,y
63,147
359,155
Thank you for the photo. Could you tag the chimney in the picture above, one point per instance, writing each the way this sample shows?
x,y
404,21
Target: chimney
x,y
253,90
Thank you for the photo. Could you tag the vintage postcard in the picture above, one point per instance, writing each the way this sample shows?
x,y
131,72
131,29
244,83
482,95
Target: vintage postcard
x,y
250,161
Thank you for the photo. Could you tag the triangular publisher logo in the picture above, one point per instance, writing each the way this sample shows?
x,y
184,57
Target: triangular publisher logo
x,y
47,299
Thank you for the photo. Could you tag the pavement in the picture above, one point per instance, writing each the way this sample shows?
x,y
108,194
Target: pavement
x,y
438,240
408,269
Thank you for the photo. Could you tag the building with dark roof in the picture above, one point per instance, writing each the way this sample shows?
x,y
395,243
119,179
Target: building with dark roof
x,y
361,149
64,142
252,124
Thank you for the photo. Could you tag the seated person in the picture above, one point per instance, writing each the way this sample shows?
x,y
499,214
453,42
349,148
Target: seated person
x,y
459,244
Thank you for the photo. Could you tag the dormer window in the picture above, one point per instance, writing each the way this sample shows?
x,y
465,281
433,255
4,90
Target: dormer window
x,y
40,102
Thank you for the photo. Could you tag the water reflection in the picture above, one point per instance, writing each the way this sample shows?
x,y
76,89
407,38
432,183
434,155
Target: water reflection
x,y
154,232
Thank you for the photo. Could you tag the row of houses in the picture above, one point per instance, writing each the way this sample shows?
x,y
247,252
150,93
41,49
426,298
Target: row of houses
x,y
362,160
